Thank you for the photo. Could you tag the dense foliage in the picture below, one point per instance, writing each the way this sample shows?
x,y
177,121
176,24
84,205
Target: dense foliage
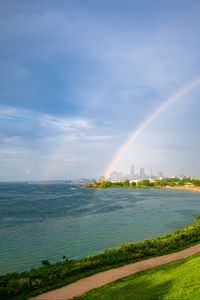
x,y
145,183
50,276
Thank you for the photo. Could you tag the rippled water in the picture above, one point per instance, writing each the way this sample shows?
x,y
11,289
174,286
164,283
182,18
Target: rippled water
x,y
48,221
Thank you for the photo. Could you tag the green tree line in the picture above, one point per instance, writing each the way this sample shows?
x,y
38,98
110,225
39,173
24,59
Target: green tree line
x,y
171,182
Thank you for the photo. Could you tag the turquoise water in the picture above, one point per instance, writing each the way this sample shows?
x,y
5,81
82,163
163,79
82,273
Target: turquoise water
x,y
48,221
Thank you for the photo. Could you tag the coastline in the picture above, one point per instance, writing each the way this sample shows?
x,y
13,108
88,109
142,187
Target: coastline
x,y
54,276
179,187
184,188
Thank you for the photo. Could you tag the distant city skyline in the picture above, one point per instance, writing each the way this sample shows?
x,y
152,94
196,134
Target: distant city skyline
x,y
134,175
84,86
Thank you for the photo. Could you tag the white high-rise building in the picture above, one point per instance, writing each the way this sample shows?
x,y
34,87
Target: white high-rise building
x,y
132,175
142,173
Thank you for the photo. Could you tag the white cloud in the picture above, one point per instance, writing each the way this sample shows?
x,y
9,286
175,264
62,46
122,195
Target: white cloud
x,y
11,112
59,146
63,124
28,171
53,124
93,138
9,140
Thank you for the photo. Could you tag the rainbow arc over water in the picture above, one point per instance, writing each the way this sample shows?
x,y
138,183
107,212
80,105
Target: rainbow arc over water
x,y
145,123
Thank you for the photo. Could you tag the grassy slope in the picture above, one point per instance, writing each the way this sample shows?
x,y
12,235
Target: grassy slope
x,y
178,281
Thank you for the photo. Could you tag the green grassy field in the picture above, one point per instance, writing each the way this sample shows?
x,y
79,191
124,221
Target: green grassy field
x,y
178,281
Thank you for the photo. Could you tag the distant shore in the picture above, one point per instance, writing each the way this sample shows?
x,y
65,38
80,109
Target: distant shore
x,y
185,188
187,184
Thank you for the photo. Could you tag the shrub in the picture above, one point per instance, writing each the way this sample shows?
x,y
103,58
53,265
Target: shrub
x,y
46,262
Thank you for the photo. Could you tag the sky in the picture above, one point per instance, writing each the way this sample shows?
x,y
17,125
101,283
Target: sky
x,y
77,77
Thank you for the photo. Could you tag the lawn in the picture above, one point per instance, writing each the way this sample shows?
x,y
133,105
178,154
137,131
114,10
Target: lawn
x,y
178,280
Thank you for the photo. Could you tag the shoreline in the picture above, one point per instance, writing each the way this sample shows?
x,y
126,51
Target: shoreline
x,y
178,187
61,276
184,188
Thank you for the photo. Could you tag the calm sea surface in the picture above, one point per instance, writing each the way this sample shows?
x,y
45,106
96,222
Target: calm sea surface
x,y
48,221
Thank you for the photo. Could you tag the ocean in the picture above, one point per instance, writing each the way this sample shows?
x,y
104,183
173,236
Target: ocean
x,y
49,221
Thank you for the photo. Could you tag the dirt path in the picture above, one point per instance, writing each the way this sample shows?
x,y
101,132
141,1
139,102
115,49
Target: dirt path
x,y
86,284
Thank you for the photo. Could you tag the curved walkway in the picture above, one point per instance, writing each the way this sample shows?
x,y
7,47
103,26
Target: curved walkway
x,y
97,280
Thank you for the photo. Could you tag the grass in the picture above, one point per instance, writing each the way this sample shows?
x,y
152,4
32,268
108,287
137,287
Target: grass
x,y
21,286
178,280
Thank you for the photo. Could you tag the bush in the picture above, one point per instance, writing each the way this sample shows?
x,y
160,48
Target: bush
x,y
46,262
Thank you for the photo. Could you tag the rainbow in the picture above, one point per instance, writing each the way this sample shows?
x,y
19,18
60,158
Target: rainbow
x,y
144,124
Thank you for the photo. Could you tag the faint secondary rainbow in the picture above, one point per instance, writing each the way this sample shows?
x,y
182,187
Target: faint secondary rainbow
x,y
141,127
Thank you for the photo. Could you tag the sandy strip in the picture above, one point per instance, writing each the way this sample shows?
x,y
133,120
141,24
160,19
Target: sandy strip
x,y
184,188
86,284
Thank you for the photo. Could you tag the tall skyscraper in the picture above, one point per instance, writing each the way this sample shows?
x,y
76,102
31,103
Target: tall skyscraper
x,y
132,175
142,173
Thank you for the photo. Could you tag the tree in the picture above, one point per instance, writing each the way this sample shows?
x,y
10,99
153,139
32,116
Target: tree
x,y
144,183
126,183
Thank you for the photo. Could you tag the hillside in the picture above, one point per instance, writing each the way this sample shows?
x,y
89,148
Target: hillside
x,y
175,281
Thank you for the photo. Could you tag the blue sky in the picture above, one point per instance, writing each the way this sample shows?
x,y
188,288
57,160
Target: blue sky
x,y
76,77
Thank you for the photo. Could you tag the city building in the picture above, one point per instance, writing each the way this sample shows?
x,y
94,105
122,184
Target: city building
x,y
142,173
132,175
